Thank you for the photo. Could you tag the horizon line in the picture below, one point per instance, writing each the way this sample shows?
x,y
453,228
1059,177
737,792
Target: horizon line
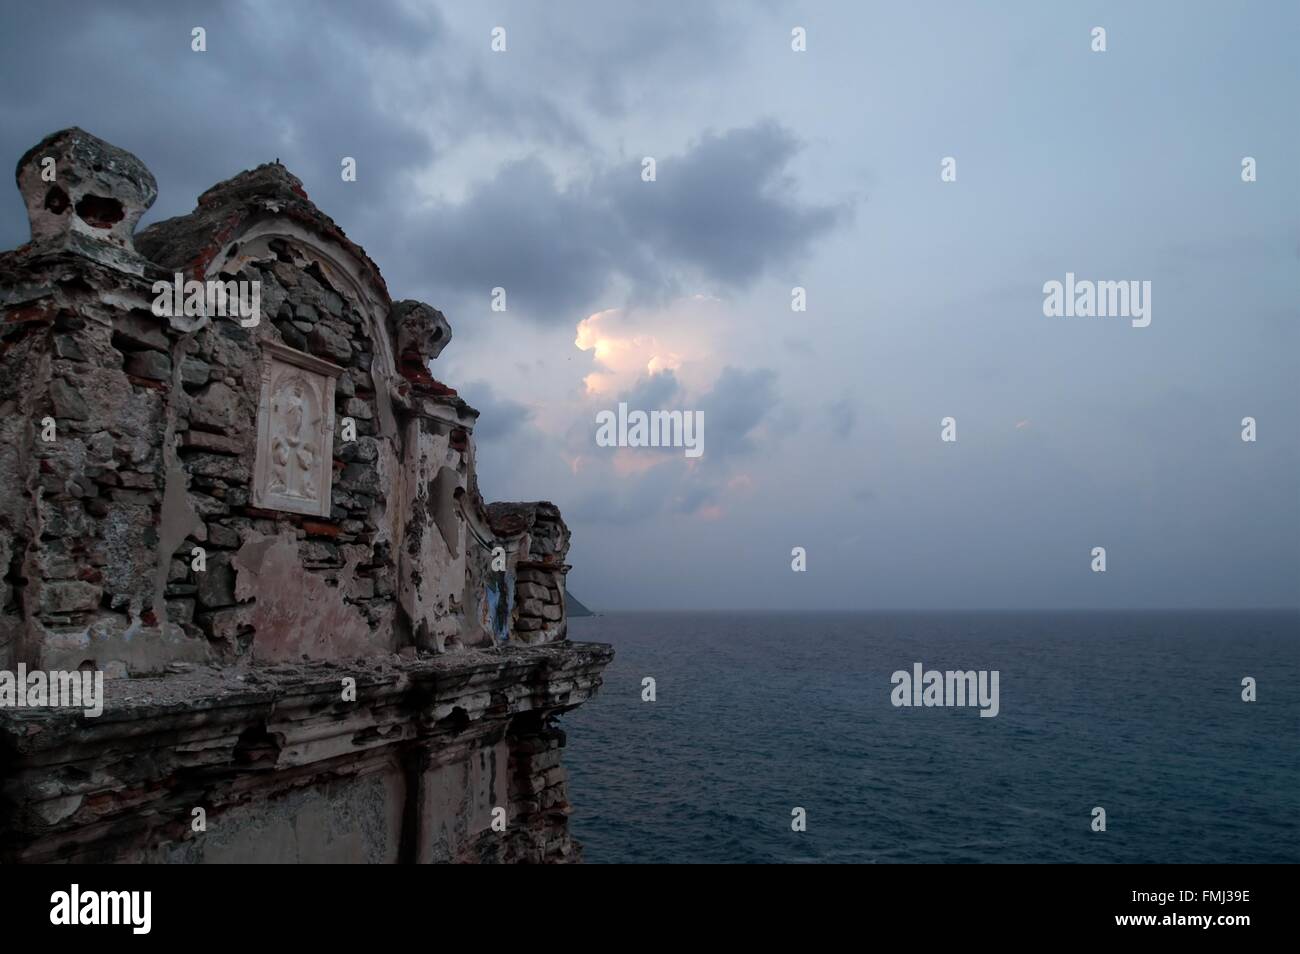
x,y
1007,609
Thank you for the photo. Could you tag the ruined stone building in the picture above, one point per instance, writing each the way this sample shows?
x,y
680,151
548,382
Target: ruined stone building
x,y
236,499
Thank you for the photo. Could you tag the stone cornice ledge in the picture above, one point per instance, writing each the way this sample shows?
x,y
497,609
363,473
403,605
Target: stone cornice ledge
x,y
210,737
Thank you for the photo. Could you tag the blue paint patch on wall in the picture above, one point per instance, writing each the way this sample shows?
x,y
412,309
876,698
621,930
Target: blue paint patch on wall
x,y
501,603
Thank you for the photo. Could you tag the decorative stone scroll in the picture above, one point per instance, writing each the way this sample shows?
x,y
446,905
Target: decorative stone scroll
x,y
295,432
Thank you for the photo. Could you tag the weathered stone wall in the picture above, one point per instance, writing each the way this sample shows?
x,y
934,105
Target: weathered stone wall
x,y
222,496
171,440
269,571
89,416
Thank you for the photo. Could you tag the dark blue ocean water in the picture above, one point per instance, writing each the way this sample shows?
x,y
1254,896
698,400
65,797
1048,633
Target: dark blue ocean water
x,y
1139,713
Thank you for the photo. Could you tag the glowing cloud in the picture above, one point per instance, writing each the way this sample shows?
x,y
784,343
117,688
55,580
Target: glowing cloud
x,y
624,351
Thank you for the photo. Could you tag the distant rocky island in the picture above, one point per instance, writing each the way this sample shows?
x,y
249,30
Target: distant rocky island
x,y
573,606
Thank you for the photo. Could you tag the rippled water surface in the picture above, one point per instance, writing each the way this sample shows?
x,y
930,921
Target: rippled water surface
x,y
1140,713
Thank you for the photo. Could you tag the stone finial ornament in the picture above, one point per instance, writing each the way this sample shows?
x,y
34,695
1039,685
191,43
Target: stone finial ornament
x,y
421,331
86,195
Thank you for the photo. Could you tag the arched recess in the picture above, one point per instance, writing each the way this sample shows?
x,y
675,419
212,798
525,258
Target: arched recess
x,y
339,265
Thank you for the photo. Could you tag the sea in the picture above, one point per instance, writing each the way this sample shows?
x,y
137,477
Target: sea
x,y
757,716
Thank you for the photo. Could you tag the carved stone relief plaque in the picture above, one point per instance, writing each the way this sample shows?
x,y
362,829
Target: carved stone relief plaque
x,y
295,432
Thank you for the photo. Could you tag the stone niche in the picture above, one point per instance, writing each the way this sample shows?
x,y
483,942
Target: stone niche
x,y
295,432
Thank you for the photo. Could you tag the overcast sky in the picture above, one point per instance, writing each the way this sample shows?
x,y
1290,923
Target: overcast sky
x,y
775,168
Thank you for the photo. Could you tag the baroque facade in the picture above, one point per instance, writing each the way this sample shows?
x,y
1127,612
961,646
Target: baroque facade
x,y
234,487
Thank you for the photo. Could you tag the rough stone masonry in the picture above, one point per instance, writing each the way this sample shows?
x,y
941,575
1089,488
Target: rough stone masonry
x,y
235,522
